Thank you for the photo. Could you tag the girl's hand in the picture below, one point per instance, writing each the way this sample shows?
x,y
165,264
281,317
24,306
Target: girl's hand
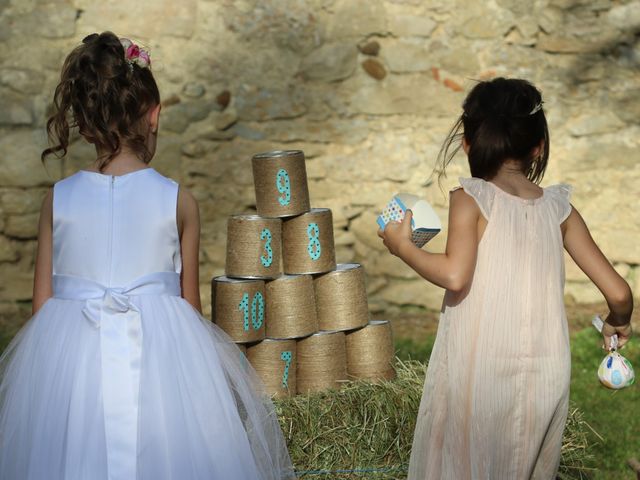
x,y
623,331
396,234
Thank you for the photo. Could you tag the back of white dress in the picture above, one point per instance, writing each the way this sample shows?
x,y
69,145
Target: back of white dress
x,y
113,229
496,393
117,377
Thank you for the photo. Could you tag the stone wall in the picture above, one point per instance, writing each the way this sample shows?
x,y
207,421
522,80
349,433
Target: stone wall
x,y
367,88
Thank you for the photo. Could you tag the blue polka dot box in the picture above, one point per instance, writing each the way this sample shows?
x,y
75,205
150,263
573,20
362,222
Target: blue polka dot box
x,y
425,223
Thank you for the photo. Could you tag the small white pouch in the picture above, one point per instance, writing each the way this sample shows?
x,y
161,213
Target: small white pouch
x,y
615,371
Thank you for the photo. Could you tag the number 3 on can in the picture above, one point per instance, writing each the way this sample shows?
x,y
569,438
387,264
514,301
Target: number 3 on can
x,y
268,259
284,187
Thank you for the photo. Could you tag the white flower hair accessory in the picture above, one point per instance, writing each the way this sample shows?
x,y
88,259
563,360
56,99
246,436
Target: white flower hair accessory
x,y
536,108
134,54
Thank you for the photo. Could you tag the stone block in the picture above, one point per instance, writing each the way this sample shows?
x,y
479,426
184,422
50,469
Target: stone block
x,y
269,103
20,164
54,20
411,25
22,226
412,292
8,250
16,110
17,284
160,18
357,18
331,62
22,80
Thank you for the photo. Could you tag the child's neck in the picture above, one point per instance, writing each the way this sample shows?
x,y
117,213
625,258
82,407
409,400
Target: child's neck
x,y
122,163
513,180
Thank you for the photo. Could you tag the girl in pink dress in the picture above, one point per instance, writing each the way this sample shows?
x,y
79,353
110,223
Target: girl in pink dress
x,y
496,392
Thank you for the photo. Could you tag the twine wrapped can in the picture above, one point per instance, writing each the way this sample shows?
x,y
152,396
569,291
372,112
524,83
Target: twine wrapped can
x,y
341,298
238,307
280,179
370,351
322,362
291,307
308,242
254,246
275,363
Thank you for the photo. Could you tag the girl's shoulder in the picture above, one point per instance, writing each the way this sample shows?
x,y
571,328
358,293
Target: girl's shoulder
x,y
560,196
480,191
484,193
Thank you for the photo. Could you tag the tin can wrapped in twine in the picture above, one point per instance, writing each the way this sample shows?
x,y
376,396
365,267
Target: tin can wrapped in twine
x,y
291,307
280,179
370,352
322,362
275,363
238,307
254,246
308,242
341,298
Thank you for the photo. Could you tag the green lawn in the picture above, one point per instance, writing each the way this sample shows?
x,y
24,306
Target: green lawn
x,y
613,414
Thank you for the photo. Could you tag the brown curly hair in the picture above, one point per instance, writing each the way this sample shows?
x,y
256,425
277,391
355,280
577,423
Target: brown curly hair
x,y
104,97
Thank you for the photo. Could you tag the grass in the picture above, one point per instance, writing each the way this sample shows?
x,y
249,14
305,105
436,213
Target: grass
x,y
369,428
369,425
613,415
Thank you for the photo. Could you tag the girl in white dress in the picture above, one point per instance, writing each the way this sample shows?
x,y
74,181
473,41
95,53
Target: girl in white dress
x,y
496,392
117,375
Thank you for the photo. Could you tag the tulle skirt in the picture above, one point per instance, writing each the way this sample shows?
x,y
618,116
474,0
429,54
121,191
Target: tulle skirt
x,y
202,412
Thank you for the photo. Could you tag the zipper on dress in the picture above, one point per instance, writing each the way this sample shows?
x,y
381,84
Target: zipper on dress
x,y
109,259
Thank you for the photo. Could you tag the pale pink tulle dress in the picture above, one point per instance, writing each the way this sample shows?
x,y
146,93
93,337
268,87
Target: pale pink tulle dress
x,y
496,393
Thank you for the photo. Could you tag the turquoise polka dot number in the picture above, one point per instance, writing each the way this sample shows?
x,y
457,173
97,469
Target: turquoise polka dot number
x,y
268,259
314,248
286,357
257,311
284,187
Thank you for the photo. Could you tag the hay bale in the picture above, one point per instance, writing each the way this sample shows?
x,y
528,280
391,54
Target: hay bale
x,y
370,425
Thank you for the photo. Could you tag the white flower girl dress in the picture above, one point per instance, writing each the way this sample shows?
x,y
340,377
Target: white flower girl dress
x,y
117,377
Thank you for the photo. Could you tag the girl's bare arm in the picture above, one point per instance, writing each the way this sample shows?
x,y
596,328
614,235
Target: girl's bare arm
x,y
453,269
42,279
584,251
189,227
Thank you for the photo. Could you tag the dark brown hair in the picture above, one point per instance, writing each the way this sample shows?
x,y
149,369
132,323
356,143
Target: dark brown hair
x,y
105,97
501,119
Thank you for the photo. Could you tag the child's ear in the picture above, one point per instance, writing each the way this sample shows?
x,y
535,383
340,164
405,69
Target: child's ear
x,y
465,146
537,151
154,117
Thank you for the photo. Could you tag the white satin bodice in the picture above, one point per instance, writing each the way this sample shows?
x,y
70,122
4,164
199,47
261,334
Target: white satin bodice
x,y
115,228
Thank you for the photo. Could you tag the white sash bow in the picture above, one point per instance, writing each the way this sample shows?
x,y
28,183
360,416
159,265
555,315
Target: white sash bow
x,y
111,310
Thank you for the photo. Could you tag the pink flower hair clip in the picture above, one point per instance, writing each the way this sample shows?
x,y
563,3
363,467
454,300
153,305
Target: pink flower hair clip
x,y
134,54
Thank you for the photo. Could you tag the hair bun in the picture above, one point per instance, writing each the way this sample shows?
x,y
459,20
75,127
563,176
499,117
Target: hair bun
x,y
90,38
